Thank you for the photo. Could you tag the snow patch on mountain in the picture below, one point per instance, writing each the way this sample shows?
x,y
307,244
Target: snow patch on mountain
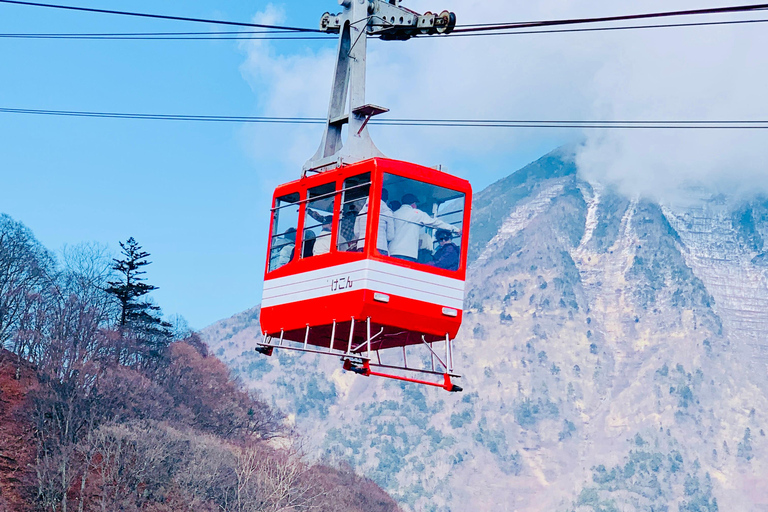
x,y
520,218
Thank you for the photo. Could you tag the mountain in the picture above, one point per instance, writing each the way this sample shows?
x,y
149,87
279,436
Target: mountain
x,y
614,353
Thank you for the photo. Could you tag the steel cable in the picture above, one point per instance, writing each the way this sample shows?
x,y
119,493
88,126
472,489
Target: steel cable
x,y
159,16
745,124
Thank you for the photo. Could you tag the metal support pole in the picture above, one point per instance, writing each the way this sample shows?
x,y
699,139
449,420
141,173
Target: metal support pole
x,y
359,20
306,337
432,356
368,334
348,94
282,332
333,336
365,342
405,358
351,335
447,352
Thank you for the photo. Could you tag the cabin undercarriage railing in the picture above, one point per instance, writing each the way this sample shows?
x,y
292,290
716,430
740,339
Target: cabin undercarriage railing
x,y
359,358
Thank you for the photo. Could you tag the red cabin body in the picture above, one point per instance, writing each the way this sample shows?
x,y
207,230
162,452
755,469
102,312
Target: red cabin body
x,y
346,266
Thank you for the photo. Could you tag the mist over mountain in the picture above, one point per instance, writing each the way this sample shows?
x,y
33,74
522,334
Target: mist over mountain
x,y
614,353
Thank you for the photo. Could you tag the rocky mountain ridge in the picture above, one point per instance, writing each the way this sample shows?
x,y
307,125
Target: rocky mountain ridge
x,y
614,359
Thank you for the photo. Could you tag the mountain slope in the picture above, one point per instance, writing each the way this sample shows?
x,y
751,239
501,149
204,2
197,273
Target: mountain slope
x,y
603,350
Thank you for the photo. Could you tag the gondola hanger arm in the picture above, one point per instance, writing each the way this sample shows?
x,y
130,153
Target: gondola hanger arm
x,y
359,20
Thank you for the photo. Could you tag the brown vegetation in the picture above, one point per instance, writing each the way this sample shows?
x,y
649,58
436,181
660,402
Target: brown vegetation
x,y
101,414
17,454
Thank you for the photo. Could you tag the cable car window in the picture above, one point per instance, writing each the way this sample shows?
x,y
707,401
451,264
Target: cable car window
x,y
427,221
319,220
352,223
285,221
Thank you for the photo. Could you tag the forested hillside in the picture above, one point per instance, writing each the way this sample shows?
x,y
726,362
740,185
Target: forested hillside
x,y
105,406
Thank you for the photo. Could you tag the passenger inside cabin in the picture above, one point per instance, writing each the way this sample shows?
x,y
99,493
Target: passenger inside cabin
x,y
347,239
323,241
447,255
386,232
309,243
408,223
425,247
394,205
286,245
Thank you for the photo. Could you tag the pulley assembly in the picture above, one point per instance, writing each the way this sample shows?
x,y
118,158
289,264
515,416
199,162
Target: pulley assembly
x,y
391,21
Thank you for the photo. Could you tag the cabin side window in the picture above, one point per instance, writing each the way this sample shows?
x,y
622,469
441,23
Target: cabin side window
x,y
421,222
354,207
285,221
318,221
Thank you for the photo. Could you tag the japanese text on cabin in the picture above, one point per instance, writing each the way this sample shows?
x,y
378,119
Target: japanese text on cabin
x,y
342,283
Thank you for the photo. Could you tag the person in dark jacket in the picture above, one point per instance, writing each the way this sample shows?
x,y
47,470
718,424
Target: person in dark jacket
x,y
447,255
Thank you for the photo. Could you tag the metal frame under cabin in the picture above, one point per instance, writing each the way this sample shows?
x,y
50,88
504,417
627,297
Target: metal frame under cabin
x,y
332,303
358,359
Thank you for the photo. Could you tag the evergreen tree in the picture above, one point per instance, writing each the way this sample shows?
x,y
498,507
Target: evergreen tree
x,y
136,312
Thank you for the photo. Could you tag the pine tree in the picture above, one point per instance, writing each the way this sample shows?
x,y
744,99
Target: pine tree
x,y
136,312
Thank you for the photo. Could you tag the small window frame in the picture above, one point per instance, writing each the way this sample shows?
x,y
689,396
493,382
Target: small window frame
x,y
344,190
275,220
333,212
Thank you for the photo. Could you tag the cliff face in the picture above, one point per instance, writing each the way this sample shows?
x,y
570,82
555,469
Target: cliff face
x,y
614,357
725,245
17,455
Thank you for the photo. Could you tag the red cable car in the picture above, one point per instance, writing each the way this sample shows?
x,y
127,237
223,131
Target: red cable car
x,y
367,254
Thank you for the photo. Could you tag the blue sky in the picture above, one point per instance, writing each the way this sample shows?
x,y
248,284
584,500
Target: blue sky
x,y
196,195
191,193
188,192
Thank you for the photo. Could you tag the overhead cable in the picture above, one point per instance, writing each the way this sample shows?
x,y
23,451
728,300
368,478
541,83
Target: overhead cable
x,y
747,124
603,19
271,36
604,29
159,16
280,35
462,30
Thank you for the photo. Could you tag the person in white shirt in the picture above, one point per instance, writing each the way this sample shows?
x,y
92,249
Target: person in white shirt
x,y
386,232
408,223
323,240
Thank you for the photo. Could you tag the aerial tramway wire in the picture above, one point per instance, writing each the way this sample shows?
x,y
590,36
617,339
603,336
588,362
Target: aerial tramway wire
x,y
605,19
280,35
449,123
606,29
142,37
159,16
461,30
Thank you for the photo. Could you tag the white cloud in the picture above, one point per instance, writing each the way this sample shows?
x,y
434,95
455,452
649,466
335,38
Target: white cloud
x,y
686,73
696,73
294,84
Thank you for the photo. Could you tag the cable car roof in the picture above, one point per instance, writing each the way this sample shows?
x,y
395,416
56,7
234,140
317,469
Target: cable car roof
x,y
413,171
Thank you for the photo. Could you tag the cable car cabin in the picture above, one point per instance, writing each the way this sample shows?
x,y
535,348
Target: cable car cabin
x,y
367,257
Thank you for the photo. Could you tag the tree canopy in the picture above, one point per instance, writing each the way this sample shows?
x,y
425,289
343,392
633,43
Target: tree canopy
x,y
137,312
